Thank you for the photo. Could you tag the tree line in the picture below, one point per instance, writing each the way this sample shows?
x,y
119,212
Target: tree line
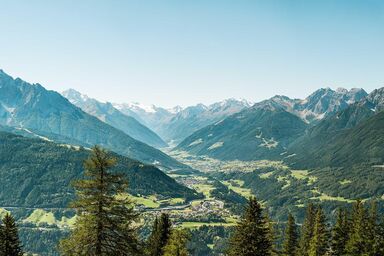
x,y
107,224
356,231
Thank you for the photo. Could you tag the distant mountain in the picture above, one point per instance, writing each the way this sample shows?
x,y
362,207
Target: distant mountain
x,y
265,130
320,104
177,123
38,173
47,113
352,136
260,132
110,115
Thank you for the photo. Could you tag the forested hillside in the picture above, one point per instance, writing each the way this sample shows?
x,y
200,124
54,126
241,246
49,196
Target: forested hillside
x,y
37,173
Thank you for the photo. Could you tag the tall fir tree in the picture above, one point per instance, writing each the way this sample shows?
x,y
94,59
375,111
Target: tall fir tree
x,y
177,243
159,237
252,234
378,246
290,245
372,228
357,240
307,230
105,217
340,233
9,238
319,243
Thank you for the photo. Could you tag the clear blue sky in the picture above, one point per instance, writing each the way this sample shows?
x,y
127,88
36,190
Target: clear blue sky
x,y
185,52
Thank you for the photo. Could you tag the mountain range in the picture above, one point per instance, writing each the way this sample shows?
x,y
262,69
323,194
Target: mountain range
x,y
32,108
110,115
174,125
266,130
350,137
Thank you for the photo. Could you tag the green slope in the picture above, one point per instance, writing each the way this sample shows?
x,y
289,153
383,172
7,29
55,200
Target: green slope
x,y
261,132
37,173
341,142
47,113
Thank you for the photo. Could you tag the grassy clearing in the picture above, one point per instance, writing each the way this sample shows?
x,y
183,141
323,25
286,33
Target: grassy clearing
x,y
173,201
150,201
3,212
302,175
324,197
147,201
284,179
245,192
345,182
205,189
266,175
299,175
194,225
41,217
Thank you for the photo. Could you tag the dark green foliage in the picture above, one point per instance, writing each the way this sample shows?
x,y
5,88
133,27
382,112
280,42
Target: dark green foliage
x,y
216,236
378,247
37,173
307,230
177,243
340,233
233,201
9,238
290,245
252,234
105,219
319,243
161,232
340,147
357,243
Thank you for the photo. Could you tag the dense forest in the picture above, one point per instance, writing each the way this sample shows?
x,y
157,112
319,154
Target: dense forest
x,y
108,224
38,173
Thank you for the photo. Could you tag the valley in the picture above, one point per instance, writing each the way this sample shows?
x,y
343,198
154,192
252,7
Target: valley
x,y
288,153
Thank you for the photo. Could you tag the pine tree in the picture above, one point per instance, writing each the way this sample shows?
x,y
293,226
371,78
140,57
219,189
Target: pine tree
x,y
340,233
291,238
177,243
307,230
160,235
357,242
372,229
273,236
105,217
378,246
9,239
318,245
252,234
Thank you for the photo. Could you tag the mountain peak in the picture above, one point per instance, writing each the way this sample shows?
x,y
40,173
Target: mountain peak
x,y
75,96
341,90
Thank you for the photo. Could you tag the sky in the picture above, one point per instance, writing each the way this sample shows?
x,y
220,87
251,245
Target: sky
x,y
184,52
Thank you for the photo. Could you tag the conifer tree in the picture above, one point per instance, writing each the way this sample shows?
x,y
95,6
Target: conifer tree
x,y
357,242
372,228
9,238
291,237
318,245
307,230
273,236
160,235
378,246
177,243
105,217
252,234
340,233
